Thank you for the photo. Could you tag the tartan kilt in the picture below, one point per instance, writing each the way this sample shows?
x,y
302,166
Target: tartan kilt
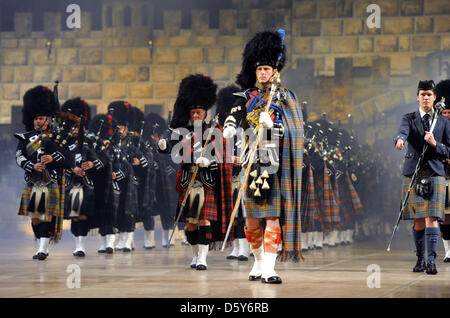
x,y
447,197
209,208
54,207
270,208
417,207
308,206
328,207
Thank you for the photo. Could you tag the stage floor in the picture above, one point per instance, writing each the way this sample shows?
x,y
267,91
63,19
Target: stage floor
x,y
342,271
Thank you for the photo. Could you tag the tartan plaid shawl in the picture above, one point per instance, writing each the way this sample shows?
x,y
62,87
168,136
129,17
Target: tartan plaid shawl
x,y
309,209
290,173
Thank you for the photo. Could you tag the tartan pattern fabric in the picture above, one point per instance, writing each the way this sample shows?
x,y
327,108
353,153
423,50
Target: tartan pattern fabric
x,y
417,207
329,210
345,203
209,208
291,168
357,205
55,205
271,207
308,208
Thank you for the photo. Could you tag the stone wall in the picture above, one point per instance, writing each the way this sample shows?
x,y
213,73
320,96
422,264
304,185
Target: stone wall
x,y
336,62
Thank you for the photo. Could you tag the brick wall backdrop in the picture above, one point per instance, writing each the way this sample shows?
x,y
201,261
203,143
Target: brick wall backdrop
x,y
336,63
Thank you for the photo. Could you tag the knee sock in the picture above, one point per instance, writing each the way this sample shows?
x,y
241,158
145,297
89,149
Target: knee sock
x,y
83,228
272,238
432,236
239,229
204,234
419,241
254,237
192,237
46,229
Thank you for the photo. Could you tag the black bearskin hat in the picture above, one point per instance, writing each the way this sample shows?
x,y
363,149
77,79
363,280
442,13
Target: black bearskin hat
x,y
442,89
38,101
137,118
225,101
78,107
107,123
121,112
265,48
150,128
195,91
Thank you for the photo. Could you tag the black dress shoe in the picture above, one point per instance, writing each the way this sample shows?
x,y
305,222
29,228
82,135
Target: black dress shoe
x,y
242,258
118,249
431,269
167,246
231,257
447,260
35,256
201,267
126,250
271,280
149,247
101,251
41,256
80,254
253,278
109,250
420,266
193,266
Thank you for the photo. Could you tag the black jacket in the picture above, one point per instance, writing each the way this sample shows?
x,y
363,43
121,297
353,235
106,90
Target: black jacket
x,y
411,130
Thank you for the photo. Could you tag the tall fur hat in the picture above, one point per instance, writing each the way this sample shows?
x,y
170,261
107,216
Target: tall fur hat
x,y
150,121
265,48
225,101
121,112
195,91
108,124
442,89
78,107
38,101
137,119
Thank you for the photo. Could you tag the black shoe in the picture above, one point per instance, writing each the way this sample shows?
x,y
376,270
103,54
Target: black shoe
x,y
80,254
35,256
167,246
109,250
126,250
231,257
201,267
101,251
431,268
117,249
253,278
242,258
420,266
194,266
149,247
41,256
447,260
271,280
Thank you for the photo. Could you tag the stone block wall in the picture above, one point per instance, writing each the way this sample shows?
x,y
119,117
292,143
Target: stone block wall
x,y
335,61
